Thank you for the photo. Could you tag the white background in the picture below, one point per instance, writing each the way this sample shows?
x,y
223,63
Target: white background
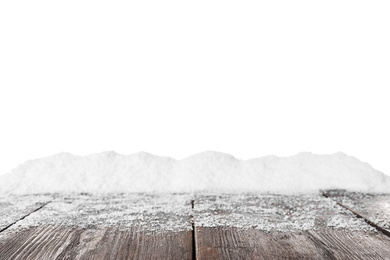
x,y
174,78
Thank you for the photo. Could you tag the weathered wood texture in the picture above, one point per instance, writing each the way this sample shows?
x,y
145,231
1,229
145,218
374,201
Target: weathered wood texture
x,y
146,226
350,244
373,207
14,208
282,227
236,243
60,242
134,226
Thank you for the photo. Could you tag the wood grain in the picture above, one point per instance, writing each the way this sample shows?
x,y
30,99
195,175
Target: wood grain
x,y
375,208
134,226
149,226
57,242
346,244
236,243
272,227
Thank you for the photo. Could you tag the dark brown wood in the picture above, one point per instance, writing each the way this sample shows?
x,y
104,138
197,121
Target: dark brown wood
x,y
146,226
375,208
58,242
134,226
236,243
352,244
223,229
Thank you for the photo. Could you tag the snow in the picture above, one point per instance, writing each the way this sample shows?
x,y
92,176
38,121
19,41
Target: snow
x,y
174,212
275,213
109,172
143,212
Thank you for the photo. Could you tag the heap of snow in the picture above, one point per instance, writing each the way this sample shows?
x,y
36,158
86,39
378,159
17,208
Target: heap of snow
x,y
204,172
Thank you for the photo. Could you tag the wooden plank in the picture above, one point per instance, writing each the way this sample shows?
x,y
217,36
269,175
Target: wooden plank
x,y
237,243
373,207
347,244
13,208
282,227
58,242
134,226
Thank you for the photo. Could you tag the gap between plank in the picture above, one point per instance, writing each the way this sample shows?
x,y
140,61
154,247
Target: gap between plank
x,y
25,216
384,231
193,231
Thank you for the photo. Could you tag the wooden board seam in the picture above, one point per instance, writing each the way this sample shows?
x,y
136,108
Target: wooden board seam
x,y
384,231
25,216
194,247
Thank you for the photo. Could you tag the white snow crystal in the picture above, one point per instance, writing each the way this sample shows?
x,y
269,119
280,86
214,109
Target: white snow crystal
x,y
204,172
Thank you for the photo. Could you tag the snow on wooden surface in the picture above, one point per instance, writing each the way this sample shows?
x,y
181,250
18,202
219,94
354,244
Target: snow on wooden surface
x,y
372,207
186,226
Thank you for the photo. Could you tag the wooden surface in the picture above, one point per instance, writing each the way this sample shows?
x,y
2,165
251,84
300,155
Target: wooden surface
x,y
375,208
15,208
116,227
236,243
273,227
57,242
146,226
